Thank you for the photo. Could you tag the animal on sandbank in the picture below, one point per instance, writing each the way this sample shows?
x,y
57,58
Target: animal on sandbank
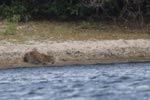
x,y
35,57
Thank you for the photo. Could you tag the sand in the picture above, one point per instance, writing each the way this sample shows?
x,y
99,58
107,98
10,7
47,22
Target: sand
x,y
77,52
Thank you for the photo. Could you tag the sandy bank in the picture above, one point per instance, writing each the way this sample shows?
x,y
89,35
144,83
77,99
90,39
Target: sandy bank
x,y
77,52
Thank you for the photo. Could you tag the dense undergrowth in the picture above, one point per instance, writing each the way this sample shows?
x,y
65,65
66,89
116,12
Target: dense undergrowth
x,y
123,14
126,11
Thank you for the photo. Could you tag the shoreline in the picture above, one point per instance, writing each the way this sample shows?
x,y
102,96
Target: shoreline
x,y
77,52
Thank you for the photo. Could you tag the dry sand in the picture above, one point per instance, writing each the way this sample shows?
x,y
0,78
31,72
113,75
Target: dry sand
x,y
77,52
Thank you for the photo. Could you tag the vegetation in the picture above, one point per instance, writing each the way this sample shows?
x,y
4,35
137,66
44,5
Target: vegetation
x,y
105,19
62,31
124,10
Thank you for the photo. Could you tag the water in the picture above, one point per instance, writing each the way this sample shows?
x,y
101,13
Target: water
x,y
86,82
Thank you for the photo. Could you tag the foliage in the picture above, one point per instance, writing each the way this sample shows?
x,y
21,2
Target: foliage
x,y
124,10
14,8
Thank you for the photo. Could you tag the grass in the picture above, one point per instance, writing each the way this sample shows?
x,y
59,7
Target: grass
x,y
61,31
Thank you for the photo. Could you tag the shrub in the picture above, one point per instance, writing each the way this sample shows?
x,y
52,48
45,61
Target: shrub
x,y
124,10
12,9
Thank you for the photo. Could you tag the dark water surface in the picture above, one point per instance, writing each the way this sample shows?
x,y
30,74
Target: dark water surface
x,y
86,82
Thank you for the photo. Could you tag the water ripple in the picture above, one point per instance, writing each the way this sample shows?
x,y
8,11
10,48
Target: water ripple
x,y
86,82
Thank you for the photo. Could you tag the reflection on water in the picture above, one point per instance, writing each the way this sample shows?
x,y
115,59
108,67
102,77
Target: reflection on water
x,y
85,82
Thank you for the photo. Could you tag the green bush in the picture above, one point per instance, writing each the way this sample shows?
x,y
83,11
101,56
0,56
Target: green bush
x,y
12,9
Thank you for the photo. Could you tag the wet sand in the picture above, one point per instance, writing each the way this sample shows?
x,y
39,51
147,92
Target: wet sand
x,y
77,52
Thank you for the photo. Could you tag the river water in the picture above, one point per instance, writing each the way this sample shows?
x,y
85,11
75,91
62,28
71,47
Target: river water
x,y
81,82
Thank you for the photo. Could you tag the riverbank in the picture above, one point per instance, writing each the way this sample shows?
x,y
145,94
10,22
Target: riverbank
x,y
75,31
77,52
